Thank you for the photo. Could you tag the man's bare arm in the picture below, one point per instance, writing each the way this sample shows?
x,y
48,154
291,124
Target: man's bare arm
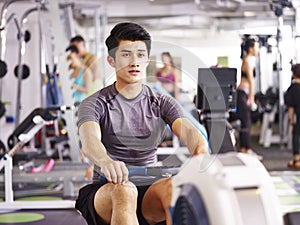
x,y
189,134
93,148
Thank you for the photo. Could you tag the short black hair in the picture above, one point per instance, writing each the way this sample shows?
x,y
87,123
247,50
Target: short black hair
x,y
77,38
126,31
72,48
296,70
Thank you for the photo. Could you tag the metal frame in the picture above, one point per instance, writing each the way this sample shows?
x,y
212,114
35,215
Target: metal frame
x,y
6,163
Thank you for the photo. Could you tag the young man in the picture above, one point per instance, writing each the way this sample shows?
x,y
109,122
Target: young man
x,y
121,125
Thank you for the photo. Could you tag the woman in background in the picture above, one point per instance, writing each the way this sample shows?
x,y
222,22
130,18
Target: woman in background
x,y
168,75
81,75
246,92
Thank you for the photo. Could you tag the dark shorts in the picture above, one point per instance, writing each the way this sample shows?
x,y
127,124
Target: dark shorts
x,y
85,204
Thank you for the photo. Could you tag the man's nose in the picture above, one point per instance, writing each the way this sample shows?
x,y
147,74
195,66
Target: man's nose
x,y
134,62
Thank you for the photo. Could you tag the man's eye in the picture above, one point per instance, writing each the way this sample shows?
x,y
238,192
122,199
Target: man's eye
x,y
141,55
125,54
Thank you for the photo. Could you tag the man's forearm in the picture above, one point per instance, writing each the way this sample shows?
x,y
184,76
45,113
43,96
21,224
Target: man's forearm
x,y
92,146
196,142
94,151
193,139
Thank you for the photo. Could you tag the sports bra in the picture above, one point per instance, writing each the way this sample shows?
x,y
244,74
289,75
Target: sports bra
x,y
170,78
245,75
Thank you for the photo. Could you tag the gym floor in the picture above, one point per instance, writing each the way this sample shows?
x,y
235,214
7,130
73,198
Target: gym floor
x,y
47,217
276,157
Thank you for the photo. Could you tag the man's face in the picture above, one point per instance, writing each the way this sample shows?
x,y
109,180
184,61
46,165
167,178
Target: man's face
x,y
131,61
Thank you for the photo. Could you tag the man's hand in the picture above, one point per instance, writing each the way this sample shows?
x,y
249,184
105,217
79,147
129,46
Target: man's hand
x,y
115,171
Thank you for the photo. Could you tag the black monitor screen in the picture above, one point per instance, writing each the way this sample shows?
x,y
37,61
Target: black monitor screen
x,y
216,90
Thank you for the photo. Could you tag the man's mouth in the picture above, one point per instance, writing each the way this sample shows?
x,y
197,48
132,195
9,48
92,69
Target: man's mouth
x,y
134,72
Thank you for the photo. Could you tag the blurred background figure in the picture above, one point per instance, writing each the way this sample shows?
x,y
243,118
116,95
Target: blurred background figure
x,y
81,74
90,61
168,75
82,83
292,101
246,92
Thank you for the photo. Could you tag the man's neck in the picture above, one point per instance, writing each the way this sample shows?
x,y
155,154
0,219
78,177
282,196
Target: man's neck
x,y
129,91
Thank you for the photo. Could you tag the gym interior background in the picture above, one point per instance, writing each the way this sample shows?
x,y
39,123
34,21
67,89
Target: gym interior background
x,y
198,33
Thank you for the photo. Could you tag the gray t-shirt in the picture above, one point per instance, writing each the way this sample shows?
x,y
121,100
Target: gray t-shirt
x,y
131,128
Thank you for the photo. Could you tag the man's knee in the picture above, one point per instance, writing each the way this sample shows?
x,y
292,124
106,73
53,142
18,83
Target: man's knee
x,y
126,191
165,195
157,200
122,195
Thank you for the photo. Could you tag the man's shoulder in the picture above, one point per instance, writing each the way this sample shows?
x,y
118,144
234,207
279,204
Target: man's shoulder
x,y
102,94
152,92
107,92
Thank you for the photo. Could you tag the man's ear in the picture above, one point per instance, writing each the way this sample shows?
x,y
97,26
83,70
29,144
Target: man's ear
x,y
111,61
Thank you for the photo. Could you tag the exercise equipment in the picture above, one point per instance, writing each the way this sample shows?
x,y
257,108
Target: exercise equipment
x,y
216,95
25,132
65,174
22,71
49,113
25,71
27,124
231,188
3,28
292,218
277,6
4,21
3,68
26,35
2,148
2,109
269,107
2,112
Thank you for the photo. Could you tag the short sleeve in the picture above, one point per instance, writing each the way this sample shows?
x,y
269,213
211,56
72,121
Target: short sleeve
x,y
288,97
170,109
90,109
